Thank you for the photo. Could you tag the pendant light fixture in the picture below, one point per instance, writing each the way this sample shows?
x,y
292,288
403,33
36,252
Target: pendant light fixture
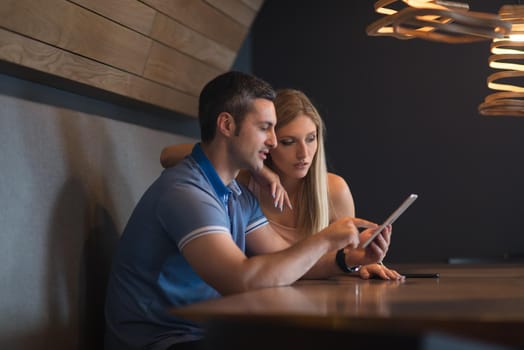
x,y
507,57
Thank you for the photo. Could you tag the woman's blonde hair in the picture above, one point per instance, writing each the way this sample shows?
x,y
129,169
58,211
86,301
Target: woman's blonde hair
x,y
312,205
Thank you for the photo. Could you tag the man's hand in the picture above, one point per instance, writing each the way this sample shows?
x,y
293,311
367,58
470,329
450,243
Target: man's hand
x,y
344,233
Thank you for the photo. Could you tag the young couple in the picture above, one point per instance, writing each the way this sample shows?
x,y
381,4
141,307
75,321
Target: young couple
x,y
198,233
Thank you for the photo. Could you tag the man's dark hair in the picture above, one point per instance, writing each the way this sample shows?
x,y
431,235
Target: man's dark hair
x,y
231,92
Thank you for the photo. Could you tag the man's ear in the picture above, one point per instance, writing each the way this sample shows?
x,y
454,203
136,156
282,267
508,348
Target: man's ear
x,y
226,124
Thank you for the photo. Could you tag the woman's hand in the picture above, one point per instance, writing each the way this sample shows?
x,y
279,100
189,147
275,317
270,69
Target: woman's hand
x,y
379,271
374,252
270,181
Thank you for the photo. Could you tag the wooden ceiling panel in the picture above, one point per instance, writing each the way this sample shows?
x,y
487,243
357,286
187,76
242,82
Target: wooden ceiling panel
x,y
178,71
237,10
50,60
180,37
158,52
205,19
75,29
129,13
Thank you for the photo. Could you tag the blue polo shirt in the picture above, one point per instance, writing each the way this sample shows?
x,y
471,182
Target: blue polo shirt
x,y
149,275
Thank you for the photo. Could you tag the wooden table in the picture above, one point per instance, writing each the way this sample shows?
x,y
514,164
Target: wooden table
x,y
481,303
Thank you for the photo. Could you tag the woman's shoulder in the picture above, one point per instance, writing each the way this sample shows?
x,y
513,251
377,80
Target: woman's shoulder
x,y
336,182
340,197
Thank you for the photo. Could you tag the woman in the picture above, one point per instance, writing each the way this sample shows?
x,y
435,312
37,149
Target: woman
x,y
314,197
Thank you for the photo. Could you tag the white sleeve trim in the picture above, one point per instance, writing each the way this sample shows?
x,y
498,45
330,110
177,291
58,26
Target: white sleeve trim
x,y
256,224
201,231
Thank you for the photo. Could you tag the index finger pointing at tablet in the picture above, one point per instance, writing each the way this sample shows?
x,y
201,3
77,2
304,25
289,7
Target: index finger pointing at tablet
x,y
361,223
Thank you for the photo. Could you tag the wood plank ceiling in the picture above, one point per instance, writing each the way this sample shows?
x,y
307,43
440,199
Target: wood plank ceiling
x,y
159,52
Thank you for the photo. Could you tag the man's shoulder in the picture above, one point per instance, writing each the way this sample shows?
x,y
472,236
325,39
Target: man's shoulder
x,y
185,180
187,171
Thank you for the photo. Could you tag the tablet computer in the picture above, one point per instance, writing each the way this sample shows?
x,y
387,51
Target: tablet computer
x,y
394,216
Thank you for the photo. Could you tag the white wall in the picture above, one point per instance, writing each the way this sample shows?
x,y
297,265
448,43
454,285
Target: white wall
x,y
72,169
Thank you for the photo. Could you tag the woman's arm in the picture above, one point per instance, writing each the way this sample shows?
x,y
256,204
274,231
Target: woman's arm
x,y
172,155
266,178
270,182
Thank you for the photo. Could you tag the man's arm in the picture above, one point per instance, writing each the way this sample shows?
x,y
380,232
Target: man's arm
x,y
217,259
267,241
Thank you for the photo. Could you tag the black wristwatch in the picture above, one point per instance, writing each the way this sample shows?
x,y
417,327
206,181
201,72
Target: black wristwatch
x,y
341,262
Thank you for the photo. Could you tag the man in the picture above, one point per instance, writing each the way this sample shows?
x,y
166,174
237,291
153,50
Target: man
x,y
187,238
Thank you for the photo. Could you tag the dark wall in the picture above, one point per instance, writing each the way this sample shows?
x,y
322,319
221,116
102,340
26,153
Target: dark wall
x,y
402,118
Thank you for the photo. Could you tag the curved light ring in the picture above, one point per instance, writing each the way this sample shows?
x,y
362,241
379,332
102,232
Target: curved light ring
x,y
506,95
384,25
463,26
508,102
436,22
507,61
381,5
503,104
505,86
506,47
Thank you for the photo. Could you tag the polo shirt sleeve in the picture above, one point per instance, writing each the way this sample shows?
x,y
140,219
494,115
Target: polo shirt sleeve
x,y
186,212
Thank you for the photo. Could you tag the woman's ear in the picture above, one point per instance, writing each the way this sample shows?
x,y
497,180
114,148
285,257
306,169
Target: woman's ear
x,y
226,124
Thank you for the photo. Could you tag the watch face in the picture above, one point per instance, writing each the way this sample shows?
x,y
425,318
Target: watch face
x,y
354,268
340,259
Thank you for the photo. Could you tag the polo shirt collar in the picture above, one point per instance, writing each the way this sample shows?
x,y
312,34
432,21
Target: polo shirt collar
x,y
220,188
